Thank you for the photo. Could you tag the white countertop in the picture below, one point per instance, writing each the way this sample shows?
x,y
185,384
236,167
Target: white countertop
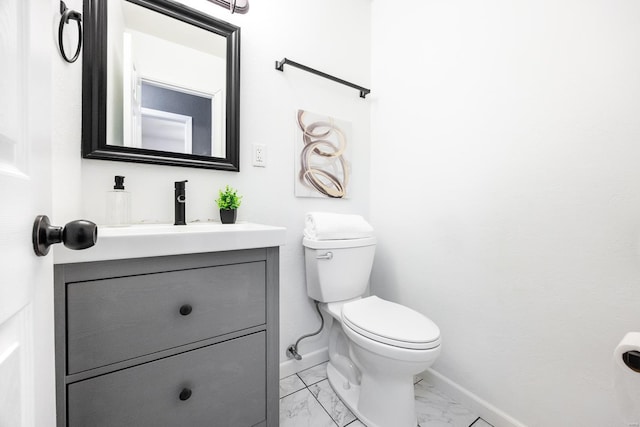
x,y
148,240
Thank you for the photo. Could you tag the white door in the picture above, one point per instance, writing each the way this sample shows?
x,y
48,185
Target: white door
x,y
26,281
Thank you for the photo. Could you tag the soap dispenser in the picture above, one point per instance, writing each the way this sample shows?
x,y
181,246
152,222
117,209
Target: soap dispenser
x,y
118,204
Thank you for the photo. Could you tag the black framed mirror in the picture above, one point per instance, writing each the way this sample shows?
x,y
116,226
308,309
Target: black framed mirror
x,y
160,85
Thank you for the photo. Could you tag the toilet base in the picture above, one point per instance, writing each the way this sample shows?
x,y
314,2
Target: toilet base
x,y
349,394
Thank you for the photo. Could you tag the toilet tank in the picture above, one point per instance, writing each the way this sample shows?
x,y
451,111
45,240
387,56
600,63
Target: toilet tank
x,y
338,270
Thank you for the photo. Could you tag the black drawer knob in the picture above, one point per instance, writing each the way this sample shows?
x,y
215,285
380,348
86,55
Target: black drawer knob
x,y
186,309
185,394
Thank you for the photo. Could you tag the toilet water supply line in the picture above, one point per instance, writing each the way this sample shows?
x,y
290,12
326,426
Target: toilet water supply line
x,y
292,350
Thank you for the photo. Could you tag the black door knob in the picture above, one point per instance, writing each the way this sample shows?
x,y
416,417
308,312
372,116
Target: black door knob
x,y
79,234
186,309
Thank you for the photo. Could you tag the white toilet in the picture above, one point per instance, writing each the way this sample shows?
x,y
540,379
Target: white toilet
x,y
375,346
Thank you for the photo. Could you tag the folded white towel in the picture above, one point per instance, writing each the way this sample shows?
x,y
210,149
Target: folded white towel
x,y
332,226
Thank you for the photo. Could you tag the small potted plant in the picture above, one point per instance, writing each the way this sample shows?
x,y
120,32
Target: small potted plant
x,y
228,201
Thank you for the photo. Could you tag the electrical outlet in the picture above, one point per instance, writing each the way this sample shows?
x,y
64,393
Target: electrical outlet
x,y
260,155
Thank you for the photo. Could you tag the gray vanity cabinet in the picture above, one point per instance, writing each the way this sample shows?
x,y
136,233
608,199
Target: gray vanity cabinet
x,y
185,340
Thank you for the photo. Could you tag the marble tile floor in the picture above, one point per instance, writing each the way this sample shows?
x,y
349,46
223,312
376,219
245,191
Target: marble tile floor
x,y
307,400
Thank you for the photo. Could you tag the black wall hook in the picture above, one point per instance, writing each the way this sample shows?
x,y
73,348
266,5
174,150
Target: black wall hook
x,y
68,14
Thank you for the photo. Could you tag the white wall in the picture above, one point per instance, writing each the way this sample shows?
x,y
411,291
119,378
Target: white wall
x,y
163,61
333,36
506,192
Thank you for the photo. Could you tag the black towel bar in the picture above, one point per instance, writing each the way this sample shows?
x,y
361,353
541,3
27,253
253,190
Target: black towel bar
x,y
280,67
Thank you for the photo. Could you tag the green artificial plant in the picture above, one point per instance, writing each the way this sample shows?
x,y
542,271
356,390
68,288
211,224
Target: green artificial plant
x,y
228,199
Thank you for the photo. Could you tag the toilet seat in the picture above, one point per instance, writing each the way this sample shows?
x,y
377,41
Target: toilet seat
x,y
390,323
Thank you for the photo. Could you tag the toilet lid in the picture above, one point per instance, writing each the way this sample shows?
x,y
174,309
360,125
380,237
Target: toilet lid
x,y
391,323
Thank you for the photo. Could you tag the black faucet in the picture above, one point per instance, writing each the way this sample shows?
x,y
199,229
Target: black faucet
x,y
180,202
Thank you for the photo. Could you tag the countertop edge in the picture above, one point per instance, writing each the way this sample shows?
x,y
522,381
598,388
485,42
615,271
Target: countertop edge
x,y
166,244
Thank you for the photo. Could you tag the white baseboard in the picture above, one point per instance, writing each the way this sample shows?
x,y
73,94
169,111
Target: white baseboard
x,y
291,366
484,409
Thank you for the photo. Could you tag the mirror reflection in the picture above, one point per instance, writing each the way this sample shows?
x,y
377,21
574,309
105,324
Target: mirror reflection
x,y
166,83
161,85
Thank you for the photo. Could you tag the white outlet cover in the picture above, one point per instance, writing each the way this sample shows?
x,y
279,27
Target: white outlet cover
x,y
259,155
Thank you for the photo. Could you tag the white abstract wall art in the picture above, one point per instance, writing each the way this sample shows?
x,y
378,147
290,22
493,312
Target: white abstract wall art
x,y
322,150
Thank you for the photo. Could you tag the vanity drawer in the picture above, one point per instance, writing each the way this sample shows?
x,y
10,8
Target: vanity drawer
x,y
111,320
226,383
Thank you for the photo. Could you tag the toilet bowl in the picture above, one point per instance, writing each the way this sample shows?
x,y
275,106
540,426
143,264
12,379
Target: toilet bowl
x,y
376,347
390,344
374,372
